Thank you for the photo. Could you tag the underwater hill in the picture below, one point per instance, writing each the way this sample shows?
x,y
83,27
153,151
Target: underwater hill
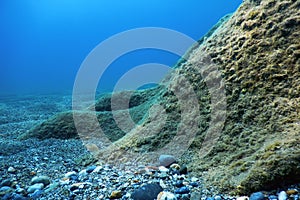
x,y
254,59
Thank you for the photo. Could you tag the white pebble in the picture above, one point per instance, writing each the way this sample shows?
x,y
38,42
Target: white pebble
x,y
282,195
166,196
11,170
69,174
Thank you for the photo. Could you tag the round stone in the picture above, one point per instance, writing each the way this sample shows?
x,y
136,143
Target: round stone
x,y
257,196
147,192
282,195
166,196
41,179
166,160
11,170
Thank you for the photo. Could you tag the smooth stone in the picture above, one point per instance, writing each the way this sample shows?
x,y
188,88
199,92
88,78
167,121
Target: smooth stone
x,y
175,166
194,184
163,169
166,160
40,179
90,169
11,170
116,194
166,196
97,169
147,192
272,197
282,195
292,192
182,190
257,196
33,188
69,174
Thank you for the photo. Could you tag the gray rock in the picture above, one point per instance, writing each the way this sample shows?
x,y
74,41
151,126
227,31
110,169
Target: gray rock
x,y
166,160
282,195
147,192
11,170
33,188
166,196
257,196
41,179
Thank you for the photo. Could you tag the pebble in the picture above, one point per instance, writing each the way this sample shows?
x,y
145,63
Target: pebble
x,y
166,160
163,169
292,192
116,194
108,182
182,190
282,195
33,188
257,196
41,179
11,170
175,166
69,174
90,169
166,196
272,197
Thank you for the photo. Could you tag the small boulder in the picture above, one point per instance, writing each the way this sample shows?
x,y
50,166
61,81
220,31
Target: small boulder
x,y
147,192
166,160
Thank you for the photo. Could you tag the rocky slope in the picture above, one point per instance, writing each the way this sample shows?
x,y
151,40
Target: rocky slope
x,y
237,96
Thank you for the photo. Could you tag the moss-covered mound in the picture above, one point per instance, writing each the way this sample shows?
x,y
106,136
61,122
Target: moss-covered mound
x,y
257,53
61,126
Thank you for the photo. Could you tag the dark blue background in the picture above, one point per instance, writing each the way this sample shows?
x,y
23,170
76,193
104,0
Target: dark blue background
x,y
43,42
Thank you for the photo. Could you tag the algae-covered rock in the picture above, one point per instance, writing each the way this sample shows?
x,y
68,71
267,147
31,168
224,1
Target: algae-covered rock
x,y
257,53
231,106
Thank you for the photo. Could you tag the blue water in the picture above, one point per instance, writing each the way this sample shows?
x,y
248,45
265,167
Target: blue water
x,y
43,43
